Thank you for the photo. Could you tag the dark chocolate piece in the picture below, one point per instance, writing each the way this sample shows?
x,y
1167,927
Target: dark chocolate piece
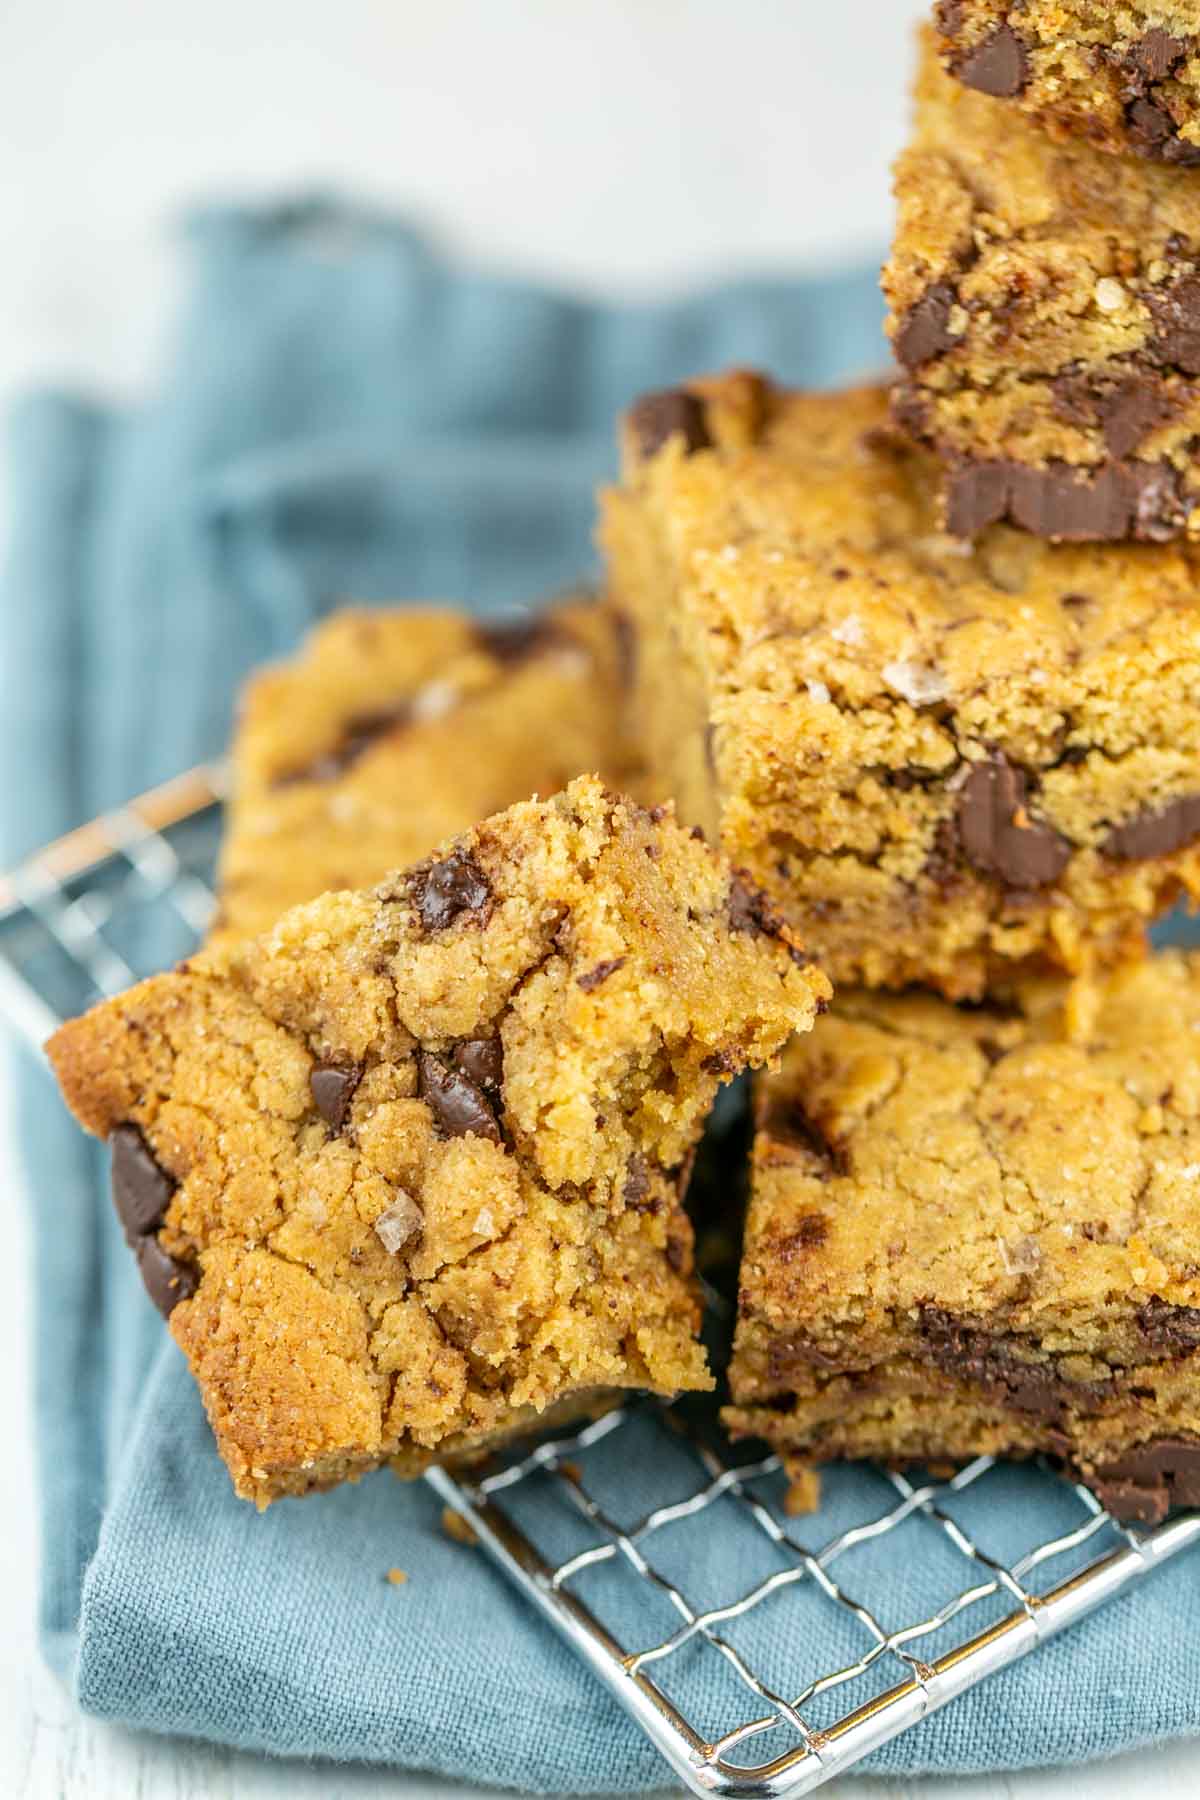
x,y
637,1183
358,735
997,832
458,1104
750,910
1175,310
166,1281
656,418
141,1187
594,977
332,1087
482,1061
443,891
925,332
1150,1481
785,1122
1168,1327
991,1361
949,17
1157,54
1159,833
1119,500
1129,412
513,637
997,65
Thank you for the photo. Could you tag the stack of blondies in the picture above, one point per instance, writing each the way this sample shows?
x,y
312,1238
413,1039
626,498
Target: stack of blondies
x,y
894,690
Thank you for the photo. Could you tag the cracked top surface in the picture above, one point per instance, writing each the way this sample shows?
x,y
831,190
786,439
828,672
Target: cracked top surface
x,y
1121,75
414,1157
801,548
1029,1171
396,728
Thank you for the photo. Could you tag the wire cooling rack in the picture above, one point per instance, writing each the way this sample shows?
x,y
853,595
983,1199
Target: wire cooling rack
x,y
720,1681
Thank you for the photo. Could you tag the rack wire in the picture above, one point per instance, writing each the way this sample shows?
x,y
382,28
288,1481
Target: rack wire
x,y
718,1682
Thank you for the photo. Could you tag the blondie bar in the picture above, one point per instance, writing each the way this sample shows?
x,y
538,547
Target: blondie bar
x,y
1045,311
976,1231
946,765
405,1173
1122,77
394,729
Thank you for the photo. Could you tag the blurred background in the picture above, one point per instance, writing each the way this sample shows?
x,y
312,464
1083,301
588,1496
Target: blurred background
x,y
618,147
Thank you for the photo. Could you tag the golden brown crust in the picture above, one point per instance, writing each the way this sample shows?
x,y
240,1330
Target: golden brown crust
x,y
976,1231
811,652
419,1151
394,729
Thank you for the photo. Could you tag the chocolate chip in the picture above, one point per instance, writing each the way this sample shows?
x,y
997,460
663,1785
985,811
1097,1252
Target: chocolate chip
x,y
949,17
678,1253
1159,833
994,1362
512,639
1150,1480
1130,412
166,1281
1175,310
481,1061
784,1121
141,1187
459,1106
1119,500
998,65
358,735
1156,54
811,1231
332,1087
925,332
656,418
637,1183
997,833
600,973
1169,1327
443,891
748,909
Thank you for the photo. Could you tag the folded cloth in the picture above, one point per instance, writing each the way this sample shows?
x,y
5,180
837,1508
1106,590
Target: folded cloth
x,y
343,414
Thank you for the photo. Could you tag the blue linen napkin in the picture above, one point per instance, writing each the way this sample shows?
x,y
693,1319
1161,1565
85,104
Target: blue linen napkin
x,y
342,413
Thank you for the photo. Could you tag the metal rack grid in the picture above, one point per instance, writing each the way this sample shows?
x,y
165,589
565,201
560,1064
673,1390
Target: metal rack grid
x,y
85,916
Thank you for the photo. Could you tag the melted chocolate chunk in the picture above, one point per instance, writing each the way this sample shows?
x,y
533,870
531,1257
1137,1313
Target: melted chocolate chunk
x,y
166,1281
785,1122
926,332
1150,1481
637,1183
656,418
513,638
482,1061
997,833
141,1187
459,1106
1168,1327
992,1362
1159,833
443,891
949,17
748,909
595,977
358,735
1176,314
1157,54
1130,412
997,65
332,1087
1120,500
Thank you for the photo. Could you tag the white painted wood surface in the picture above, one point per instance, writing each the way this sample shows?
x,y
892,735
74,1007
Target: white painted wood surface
x,y
616,145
